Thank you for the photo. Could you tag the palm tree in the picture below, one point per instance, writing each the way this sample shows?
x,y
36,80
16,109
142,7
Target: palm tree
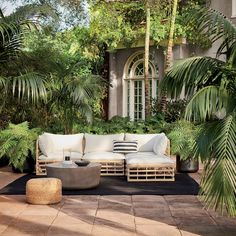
x,y
71,94
169,54
210,85
13,29
146,62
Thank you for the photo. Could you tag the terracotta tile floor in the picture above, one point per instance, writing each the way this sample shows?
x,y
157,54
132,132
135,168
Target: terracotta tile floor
x,y
110,216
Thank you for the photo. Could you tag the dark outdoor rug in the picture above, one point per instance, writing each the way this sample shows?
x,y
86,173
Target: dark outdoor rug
x,y
183,185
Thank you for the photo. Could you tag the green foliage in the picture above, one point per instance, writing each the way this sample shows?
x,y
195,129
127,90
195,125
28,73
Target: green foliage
x,y
64,76
14,28
115,23
216,145
183,138
122,125
16,141
210,83
175,109
73,95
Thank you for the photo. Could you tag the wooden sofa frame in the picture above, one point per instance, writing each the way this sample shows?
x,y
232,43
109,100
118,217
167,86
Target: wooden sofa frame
x,y
108,168
111,168
151,172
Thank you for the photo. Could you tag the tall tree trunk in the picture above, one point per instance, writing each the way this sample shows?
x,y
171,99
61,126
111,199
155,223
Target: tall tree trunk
x,y
169,53
146,63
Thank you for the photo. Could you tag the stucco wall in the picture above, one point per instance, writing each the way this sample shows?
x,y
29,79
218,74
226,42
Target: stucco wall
x,y
224,6
119,58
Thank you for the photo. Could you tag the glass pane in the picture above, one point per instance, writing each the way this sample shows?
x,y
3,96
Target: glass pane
x,y
157,82
138,99
128,98
139,70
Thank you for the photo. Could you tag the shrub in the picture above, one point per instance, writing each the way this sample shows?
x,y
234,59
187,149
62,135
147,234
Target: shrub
x,y
119,124
16,142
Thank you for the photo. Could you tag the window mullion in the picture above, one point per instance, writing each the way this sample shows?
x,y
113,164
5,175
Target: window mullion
x,y
131,107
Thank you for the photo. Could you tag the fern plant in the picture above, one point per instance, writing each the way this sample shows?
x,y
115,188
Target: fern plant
x,y
183,136
16,142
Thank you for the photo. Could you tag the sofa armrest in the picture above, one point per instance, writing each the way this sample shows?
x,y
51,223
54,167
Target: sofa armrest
x,y
167,152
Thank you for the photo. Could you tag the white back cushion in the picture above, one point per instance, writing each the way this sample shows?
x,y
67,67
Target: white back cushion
x,y
101,143
45,144
160,144
145,141
51,143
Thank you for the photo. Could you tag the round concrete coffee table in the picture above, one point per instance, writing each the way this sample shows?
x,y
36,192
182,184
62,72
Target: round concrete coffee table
x,y
75,177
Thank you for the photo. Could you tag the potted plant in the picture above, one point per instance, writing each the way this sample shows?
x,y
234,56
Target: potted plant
x,y
182,138
17,143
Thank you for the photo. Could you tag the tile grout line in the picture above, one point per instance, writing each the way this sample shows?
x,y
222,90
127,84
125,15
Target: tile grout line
x,y
59,209
176,225
99,197
135,226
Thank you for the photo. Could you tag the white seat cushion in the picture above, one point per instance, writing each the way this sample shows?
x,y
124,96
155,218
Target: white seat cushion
x,y
145,141
147,158
140,154
54,143
103,156
101,143
59,156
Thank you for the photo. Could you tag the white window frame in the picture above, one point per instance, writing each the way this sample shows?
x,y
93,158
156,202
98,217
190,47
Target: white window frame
x,y
233,8
130,76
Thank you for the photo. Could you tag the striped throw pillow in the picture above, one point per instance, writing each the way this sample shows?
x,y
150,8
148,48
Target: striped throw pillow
x,y
125,146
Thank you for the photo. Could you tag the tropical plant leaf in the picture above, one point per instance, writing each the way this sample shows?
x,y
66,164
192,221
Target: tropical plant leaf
x,y
214,23
182,138
189,74
30,85
16,141
207,102
218,152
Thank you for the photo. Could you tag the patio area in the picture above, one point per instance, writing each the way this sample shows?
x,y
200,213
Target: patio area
x,y
142,215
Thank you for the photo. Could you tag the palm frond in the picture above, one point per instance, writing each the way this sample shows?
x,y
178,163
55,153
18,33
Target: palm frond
x,y
218,185
84,87
212,22
206,102
30,85
2,82
190,73
216,26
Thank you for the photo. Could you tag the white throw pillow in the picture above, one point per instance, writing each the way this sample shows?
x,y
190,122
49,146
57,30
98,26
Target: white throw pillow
x,y
160,144
145,141
52,143
101,143
45,144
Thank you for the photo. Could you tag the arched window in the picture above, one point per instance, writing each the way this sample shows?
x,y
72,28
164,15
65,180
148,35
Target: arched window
x,y
134,86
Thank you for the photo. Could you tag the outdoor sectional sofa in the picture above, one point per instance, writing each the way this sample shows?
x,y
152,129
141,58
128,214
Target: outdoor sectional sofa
x,y
149,162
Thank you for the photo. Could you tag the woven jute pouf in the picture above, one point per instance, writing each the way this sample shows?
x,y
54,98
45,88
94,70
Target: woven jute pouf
x,y
43,191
